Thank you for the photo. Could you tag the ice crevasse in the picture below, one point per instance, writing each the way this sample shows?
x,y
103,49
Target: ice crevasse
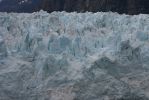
x,y
74,56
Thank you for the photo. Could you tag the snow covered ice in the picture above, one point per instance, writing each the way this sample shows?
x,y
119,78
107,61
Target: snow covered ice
x,y
74,56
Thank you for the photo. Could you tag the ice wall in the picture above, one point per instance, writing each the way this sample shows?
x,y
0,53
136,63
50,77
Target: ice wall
x,y
74,56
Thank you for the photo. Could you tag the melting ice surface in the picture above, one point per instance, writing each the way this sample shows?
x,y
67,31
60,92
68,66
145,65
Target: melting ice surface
x,y
74,56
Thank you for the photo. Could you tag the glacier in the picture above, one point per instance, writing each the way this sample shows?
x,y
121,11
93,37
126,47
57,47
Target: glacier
x,y
74,56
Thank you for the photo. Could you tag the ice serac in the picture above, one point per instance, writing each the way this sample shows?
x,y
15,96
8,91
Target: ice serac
x,y
74,56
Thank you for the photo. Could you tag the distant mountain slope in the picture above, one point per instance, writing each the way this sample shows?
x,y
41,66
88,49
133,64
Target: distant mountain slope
x,y
19,5
120,6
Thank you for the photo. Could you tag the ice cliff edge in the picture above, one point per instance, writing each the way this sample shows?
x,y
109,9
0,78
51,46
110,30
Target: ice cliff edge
x,y
74,56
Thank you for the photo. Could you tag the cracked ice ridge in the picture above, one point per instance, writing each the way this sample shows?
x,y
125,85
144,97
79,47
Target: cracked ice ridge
x,y
74,56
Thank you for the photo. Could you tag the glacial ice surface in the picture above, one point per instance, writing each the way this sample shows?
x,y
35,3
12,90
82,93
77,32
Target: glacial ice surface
x,y
74,56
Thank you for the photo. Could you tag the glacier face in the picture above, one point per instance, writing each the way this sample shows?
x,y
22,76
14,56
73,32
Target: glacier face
x,y
74,56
